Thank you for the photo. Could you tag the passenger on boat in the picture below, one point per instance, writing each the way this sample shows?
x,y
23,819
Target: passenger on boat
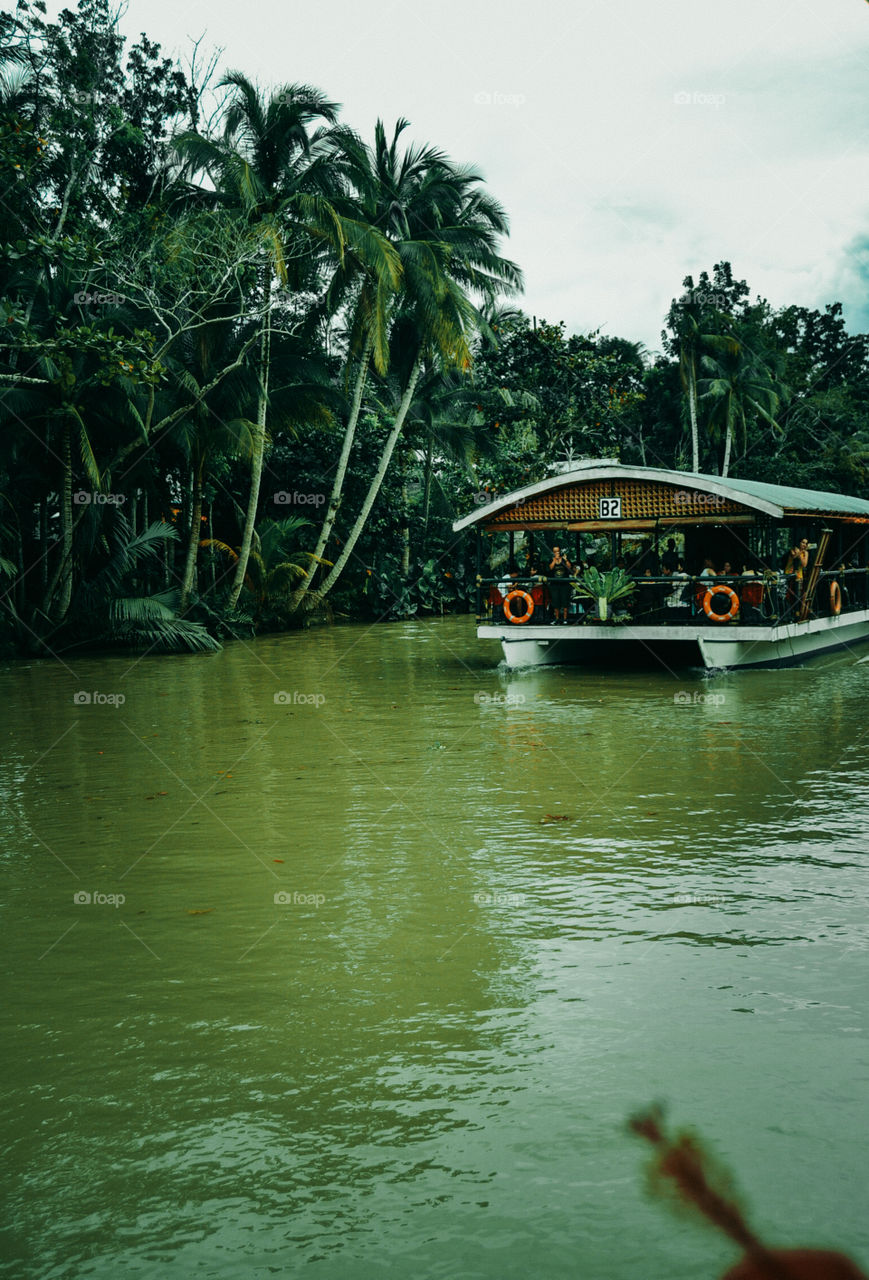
x,y
506,585
560,569
795,565
680,578
649,596
798,559
708,570
508,582
670,558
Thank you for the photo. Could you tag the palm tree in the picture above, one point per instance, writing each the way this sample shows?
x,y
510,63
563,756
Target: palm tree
x,y
738,386
215,424
445,230
104,611
685,320
266,168
363,286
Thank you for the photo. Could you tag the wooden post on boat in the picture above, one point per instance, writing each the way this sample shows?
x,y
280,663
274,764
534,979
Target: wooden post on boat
x,y
814,575
479,579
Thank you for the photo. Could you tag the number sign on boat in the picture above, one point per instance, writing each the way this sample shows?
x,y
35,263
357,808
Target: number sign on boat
x,y
610,508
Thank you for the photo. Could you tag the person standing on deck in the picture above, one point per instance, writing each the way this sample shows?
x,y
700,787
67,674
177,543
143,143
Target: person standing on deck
x,y
795,566
560,569
670,558
798,559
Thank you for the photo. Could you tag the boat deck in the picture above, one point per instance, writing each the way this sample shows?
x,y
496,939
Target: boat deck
x,y
691,643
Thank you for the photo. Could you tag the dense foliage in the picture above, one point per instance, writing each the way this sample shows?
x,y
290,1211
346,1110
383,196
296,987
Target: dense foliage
x,y
252,366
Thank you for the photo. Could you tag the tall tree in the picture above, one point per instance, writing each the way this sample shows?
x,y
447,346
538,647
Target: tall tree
x,y
266,167
738,387
446,231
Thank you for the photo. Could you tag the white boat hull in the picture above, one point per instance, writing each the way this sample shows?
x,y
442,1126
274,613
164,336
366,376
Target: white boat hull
x,y
727,645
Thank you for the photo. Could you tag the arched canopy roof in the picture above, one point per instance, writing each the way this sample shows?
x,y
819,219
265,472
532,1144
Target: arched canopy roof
x,y
583,498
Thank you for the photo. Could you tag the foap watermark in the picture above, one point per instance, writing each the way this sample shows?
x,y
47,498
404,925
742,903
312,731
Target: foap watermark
x,y
698,899
283,898
297,698
693,98
283,498
83,299
82,898
509,699
703,298
485,98
92,98
482,498
484,899
691,698
96,699
84,498
686,497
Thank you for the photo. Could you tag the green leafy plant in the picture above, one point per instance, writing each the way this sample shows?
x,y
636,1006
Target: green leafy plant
x,y
105,611
605,588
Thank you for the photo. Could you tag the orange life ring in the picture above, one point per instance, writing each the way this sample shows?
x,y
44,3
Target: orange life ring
x,y
721,591
521,617
835,598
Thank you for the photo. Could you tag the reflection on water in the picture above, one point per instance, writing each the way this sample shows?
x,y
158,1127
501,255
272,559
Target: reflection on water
x,y
399,951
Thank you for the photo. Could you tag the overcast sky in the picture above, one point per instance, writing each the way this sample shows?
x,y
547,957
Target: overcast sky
x,y
630,142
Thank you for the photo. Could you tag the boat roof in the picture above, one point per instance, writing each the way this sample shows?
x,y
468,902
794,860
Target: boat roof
x,y
724,495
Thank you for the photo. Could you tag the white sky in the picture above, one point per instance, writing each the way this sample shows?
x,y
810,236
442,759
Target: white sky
x,y
630,142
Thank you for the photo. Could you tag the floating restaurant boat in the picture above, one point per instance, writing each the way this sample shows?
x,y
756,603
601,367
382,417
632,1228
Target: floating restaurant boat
x,y
757,604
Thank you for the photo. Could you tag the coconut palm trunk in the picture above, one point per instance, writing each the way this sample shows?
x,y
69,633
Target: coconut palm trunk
x,y
338,483
426,501
692,413
728,434
61,582
193,540
314,597
259,448
725,466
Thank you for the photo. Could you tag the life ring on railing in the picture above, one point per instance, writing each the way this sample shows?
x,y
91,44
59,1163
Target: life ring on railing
x,y
518,618
721,591
835,598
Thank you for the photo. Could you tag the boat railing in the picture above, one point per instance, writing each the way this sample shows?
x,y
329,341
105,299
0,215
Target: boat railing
x,y
765,599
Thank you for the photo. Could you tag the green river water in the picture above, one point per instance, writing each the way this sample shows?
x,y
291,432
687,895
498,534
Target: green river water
x,y
510,910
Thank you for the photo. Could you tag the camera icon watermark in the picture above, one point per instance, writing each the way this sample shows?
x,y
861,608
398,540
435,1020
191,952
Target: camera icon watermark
x,y
85,699
90,98
83,299
485,98
83,498
484,899
698,899
702,298
283,898
297,698
686,497
82,898
692,98
691,698
283,498
509,699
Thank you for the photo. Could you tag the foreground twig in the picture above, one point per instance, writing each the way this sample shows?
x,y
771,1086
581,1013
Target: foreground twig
x,y
689,1176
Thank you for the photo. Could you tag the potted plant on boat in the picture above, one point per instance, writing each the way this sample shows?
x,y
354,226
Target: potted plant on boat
x,y
604,589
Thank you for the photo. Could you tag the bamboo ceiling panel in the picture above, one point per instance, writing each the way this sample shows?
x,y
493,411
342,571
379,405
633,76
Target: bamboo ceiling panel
x,y
641,500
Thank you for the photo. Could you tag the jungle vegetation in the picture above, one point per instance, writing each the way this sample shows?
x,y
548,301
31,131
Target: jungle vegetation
x,y
254,364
